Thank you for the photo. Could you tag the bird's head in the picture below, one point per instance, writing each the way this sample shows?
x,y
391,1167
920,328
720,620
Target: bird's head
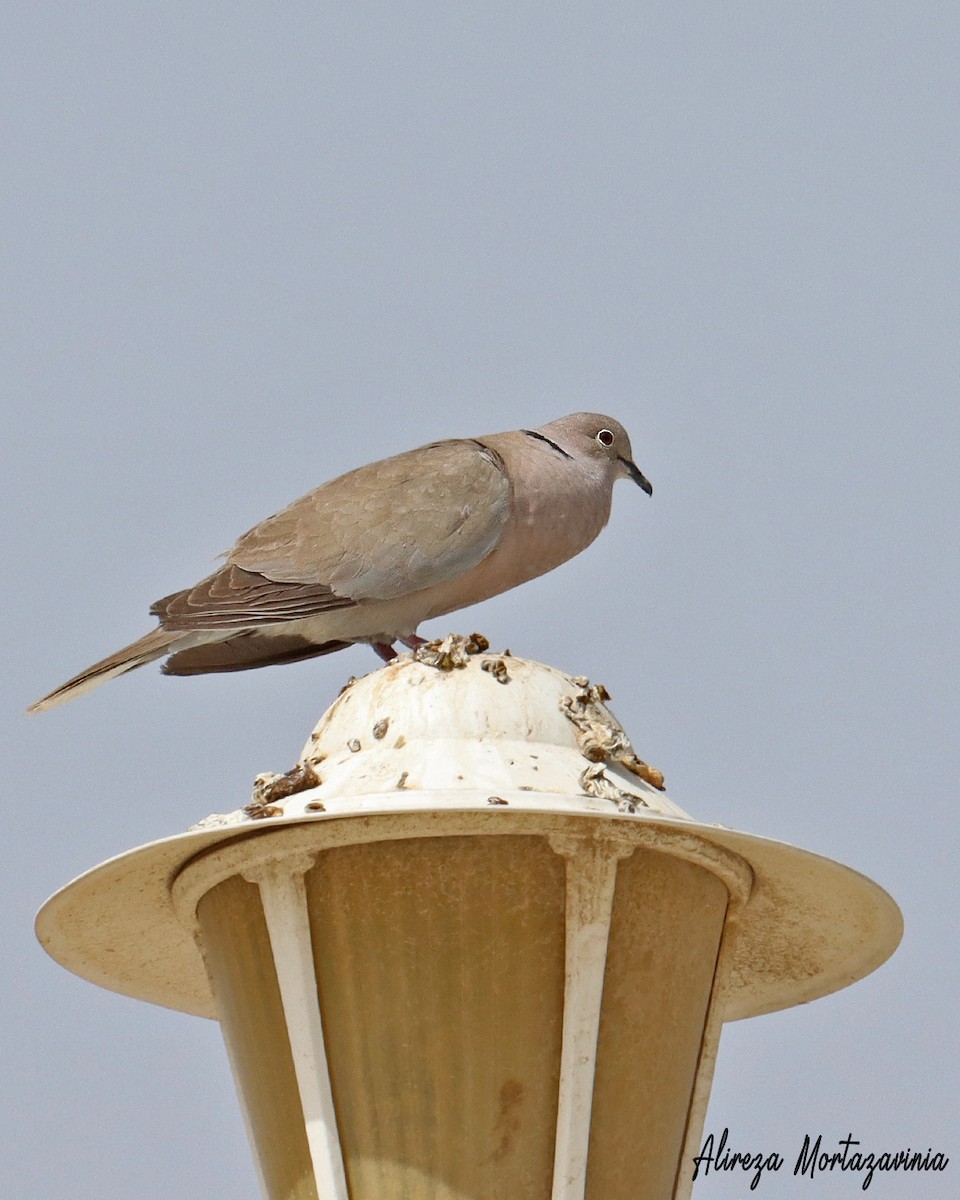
x,y
596,438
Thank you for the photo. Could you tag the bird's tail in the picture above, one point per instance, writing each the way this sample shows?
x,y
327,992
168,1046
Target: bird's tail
x,y
153,645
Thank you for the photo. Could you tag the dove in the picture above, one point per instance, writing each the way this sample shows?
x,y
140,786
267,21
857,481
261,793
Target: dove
x,y
370,555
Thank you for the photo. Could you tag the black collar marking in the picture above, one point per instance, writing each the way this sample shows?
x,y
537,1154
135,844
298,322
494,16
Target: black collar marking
x,y
543,438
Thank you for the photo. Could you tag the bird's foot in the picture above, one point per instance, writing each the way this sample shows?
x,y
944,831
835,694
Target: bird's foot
x,y
385,650
413,641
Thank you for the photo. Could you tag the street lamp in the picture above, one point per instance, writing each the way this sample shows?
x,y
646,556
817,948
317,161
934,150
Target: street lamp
x,y
468,949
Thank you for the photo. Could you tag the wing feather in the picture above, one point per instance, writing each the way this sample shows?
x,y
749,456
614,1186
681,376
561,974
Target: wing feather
x,y
389,528
382,531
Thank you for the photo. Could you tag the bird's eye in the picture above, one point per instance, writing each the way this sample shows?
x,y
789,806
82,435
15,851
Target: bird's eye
x,y
605,437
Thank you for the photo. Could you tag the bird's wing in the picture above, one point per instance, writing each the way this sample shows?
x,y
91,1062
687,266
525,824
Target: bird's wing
x,y
380,532
232,598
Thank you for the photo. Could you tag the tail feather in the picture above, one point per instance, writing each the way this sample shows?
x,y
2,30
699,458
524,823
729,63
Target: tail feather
x,y
244,651
153,645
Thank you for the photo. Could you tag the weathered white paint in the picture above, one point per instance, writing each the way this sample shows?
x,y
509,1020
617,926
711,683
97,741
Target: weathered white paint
x,y
591,875
284,900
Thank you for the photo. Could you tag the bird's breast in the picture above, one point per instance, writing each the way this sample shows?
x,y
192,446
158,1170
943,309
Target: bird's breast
x,y
547,525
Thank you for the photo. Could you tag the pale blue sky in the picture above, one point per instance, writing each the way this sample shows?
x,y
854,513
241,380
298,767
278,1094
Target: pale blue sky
x,y
248,246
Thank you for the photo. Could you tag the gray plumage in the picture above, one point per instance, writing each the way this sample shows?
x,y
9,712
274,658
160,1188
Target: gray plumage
x,y
368,556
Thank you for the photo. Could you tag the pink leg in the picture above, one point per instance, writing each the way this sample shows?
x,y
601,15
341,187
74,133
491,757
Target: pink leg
x,y
385,650
413,642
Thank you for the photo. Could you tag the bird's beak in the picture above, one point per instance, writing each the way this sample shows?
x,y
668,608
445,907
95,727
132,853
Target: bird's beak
x,y
633,471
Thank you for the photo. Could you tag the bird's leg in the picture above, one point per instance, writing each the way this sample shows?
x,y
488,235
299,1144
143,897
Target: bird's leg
x,y
413,641
385,650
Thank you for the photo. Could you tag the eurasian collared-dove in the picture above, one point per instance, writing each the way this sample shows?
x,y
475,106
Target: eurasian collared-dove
x,y
368,556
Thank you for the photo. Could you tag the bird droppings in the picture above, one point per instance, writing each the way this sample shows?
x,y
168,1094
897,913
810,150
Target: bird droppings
x,y
406,728
349,684
593,748
599,737
257,812
595,782
270,787
636,766
451,653
497,668
315,806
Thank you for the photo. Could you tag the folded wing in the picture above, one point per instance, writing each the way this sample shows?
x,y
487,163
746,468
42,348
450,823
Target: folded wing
x,y
380,532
